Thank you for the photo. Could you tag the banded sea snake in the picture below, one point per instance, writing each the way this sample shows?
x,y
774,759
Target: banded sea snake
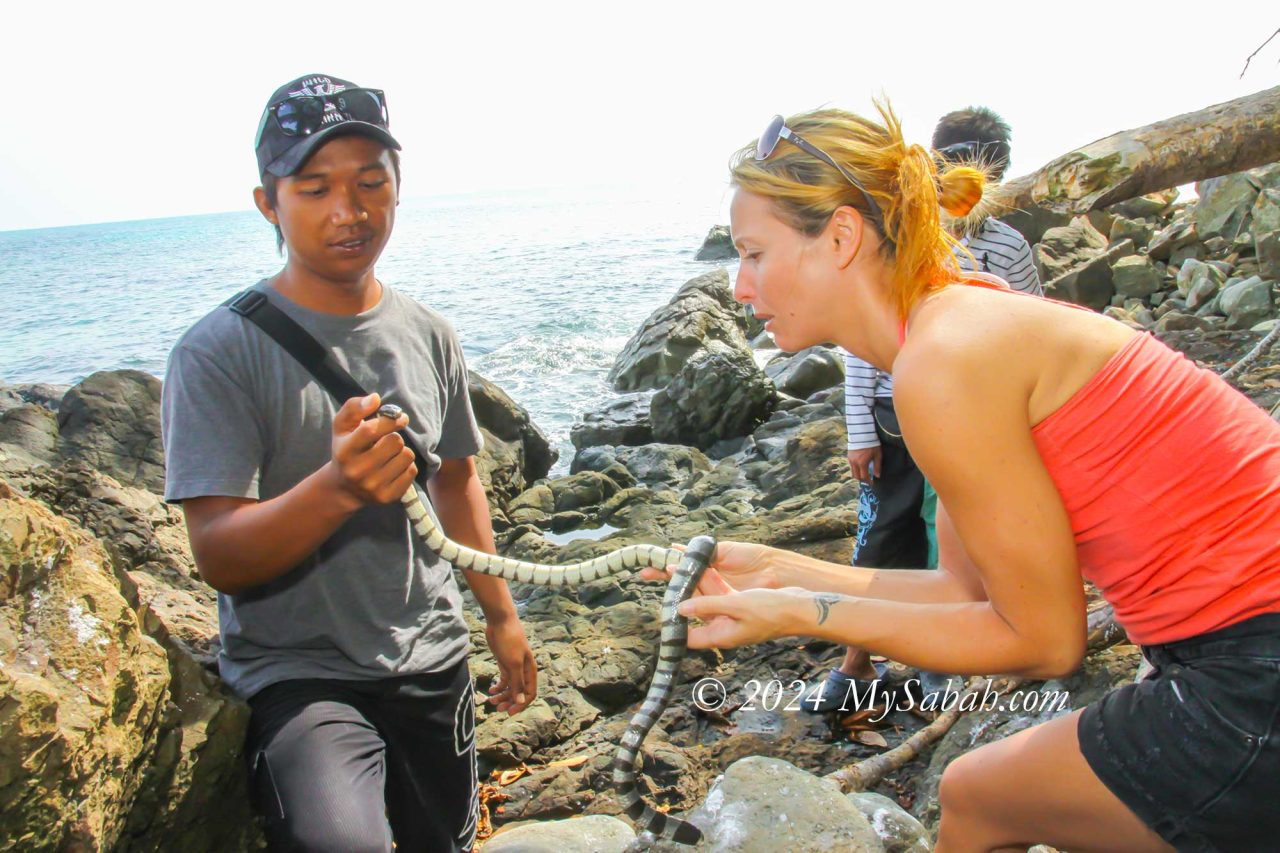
x,y
689,568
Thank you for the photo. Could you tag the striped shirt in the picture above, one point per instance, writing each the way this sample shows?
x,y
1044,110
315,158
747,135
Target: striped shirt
x,y
1000,250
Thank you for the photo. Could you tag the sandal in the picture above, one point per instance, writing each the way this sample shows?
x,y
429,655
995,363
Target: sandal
x,y
840,692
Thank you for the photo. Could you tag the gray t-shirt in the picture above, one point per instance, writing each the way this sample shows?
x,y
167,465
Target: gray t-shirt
x,y
242,418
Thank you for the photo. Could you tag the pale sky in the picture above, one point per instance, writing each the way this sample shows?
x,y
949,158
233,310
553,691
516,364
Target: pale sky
x,y
125,110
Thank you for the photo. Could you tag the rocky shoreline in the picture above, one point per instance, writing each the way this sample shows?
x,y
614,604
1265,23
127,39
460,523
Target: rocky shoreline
x,y
115,733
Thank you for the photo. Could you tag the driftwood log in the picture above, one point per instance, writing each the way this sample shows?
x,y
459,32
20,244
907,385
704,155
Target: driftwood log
x,y
1217,140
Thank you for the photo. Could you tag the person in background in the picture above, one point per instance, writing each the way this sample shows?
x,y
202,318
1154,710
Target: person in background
x,y
896,504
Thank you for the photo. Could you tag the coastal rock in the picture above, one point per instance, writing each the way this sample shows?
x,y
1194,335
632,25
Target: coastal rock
x,y
1139,231
584,489
1265,228
101,703
594,833
82,686
1223,208
1198,276
532,506
1204,286
1266,211
147,540
1177,235
1267,247
718,245
897,829
1176,321
111,421
9,398
814,457
36,393
1247,303
552,718
193,796
515,451
622,421
1067,247
611,658
1033,222
1135,276
718,394
762,805
31,429
807,372
44,394
663,465
1142,206
1090,283
701,311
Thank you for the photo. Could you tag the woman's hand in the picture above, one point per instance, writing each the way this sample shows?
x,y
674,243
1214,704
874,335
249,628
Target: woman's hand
x,y
744,618
739,565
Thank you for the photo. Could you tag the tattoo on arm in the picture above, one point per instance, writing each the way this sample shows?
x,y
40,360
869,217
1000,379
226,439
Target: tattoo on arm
x,y
823,601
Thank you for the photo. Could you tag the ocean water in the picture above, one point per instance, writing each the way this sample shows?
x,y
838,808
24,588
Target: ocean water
x,y
544,288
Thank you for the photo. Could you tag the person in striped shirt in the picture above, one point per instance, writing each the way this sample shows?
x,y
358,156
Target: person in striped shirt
x,y
896,504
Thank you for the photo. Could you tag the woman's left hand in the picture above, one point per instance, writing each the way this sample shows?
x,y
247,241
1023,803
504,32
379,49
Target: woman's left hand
x,y
744,618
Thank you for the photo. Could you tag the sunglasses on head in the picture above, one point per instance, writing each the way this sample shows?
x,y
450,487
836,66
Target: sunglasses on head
x,y
303,115
778,130
965,152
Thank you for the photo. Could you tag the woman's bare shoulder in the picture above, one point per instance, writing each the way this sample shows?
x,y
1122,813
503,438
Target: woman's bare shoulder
x,y
1006,346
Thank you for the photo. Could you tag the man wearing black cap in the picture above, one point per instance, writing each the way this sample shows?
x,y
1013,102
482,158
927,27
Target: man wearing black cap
x,y
344,634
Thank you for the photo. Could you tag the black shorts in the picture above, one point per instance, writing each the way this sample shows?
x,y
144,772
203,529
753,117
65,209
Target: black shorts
x,y
353,765
1194,749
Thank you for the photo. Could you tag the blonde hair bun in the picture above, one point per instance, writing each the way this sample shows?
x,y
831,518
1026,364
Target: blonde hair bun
x,y
960,189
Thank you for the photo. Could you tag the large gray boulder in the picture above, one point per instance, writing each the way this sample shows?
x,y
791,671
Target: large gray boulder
x,y
515,453
1137,230
1142,206
1135,276
1090,283
622,421
762,805
898,830
111,421
718,245
589,834
1247,303
663,466
36,393
1223,208
1066,247
32,430
718,394
808,371
120,737
703,310
1265,226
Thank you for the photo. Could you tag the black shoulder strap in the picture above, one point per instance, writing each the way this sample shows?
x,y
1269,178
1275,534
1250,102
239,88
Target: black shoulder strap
x,y
255,307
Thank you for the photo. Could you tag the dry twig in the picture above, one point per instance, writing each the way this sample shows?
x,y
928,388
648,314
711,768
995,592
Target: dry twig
x,y
1259,349
1256,52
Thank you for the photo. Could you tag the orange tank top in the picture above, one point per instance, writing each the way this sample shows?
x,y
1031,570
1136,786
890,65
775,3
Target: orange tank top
x,y
1171,481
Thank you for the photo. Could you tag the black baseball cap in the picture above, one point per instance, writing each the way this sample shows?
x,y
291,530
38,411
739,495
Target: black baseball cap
x,y
324,107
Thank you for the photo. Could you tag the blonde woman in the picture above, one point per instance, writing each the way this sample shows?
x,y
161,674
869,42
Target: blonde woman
x,y
1056,440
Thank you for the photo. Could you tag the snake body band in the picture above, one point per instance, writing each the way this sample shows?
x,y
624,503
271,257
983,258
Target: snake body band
x,y
686,569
